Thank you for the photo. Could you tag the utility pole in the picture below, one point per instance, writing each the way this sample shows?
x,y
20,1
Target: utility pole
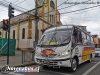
x,y
36,22
10,14
8,43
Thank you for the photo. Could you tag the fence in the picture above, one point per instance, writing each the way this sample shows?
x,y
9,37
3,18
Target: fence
x,y
27,55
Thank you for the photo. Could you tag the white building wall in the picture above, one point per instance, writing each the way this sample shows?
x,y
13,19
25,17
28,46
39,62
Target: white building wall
x,y
24,25
21,16
23,43
14,27
26,43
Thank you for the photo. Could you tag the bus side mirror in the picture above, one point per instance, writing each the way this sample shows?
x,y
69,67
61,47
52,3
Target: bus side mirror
x,y
34,44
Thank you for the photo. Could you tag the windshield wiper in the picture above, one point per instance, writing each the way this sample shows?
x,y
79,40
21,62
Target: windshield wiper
x,y
42,42
52,37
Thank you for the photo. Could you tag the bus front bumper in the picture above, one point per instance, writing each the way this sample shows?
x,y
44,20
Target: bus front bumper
x,y
54,63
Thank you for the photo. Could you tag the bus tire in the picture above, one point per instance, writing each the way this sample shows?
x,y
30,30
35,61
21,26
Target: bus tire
x,y
44,67
73,65
90,58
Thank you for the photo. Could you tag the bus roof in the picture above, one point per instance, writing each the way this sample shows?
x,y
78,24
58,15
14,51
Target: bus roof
x,y
65,27
59,27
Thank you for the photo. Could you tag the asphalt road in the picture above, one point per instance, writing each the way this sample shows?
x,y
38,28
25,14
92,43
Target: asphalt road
x,y
62,71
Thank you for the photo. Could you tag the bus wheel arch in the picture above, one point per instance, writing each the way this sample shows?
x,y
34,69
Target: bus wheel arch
x,y
74,63
76,57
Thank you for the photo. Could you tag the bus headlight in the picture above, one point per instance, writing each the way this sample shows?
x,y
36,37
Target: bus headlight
x,y
64,53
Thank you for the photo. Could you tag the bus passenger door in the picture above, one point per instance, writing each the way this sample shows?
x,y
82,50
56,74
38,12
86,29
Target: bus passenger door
x,y
78,48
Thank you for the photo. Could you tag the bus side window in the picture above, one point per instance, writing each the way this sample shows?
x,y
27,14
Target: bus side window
x,y
92,42
88,40
79,37
75,34
84,40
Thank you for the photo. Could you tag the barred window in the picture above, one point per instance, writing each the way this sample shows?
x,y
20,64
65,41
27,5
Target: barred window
x,y
23,33
13,34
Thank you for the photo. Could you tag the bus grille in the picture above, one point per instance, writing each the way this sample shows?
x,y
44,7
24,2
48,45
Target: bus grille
x,y
50,55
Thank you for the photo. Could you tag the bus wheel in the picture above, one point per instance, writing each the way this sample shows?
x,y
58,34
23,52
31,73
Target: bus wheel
x,y
44,67
90,58
73,65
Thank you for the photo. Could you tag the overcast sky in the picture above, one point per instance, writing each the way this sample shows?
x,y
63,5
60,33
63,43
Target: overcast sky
x,y
89,17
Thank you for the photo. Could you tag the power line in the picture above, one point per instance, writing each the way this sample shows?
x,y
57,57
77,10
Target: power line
x,y
81,19
2,9
79,12
80,9
29,4
55,8
16,8
42,20
6,5
86,8
25,12
62,8
16,1
3,4
21,2
71,5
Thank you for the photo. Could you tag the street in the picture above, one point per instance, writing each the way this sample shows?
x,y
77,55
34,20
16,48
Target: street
x,y
64,71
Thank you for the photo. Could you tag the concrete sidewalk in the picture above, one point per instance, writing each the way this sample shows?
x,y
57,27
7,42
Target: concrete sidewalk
x,y
15,60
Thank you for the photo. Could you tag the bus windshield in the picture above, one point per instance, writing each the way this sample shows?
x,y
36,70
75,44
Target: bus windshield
x,y
55,38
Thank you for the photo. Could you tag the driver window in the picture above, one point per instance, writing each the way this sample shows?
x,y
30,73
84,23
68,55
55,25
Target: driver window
x,y
75,35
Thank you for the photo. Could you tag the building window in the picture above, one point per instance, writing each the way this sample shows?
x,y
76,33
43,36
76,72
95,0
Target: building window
x,y
13,34
54,20
23,33
6,35
52,4
50,18
0,34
